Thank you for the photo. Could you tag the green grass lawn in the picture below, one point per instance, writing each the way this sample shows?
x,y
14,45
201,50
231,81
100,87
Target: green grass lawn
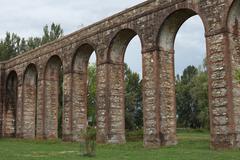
x,y
192,146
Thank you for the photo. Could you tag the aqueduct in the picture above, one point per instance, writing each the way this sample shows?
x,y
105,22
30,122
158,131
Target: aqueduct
x,y
29,82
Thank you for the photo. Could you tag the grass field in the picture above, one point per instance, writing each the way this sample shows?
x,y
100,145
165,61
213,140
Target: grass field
x,y
192,146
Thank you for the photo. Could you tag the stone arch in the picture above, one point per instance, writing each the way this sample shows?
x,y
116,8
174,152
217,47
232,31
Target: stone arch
x,y
81,57
79,89
166,38
11,104
233,26
52,80
233,18
170,26
116,87
119,43
29,109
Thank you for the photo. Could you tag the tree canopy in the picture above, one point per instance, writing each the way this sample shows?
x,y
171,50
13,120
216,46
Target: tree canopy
x,y
192,98
13,45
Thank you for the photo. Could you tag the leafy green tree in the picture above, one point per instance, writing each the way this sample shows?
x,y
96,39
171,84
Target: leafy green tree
x,y
33,42
133,99
10,46
185,104
13,45
54,33
192,98
138,115
199,93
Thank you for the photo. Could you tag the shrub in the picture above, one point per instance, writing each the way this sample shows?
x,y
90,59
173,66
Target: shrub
x,y
88,145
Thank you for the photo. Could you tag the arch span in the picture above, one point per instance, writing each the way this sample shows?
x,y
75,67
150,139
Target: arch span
x,y
116,86
166,41
52,97
170,26
233,19
119,45
80,89
29,109
11,104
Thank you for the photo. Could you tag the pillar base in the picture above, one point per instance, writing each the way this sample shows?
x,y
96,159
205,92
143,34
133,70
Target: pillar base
x,y
101,138
116,139
224,141
152,144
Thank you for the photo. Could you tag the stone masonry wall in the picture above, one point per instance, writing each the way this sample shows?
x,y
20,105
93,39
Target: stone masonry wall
x,y
151,109
117,104
67,109
102,103
145,20
167,98
79,115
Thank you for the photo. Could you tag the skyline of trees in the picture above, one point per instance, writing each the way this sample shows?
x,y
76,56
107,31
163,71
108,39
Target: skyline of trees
x,y
12,44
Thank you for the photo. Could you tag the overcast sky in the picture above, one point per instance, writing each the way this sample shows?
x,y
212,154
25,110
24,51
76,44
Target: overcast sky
x,y
27,18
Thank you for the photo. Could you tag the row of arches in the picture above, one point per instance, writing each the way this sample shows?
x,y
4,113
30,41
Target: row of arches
x,y
155,93
53,97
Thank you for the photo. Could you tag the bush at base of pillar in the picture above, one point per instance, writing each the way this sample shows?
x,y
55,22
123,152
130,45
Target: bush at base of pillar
x,y
88,145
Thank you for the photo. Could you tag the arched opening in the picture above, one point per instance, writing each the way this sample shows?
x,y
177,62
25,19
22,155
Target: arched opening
x,y
133,91
83,108
29,102
125,86
53,109
92,89
182,86
192,81
234,18
11,105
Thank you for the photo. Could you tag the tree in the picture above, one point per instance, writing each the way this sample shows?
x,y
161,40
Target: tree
x,y
192,98
199,93
133,99
33,42
55,32
185,104
13,45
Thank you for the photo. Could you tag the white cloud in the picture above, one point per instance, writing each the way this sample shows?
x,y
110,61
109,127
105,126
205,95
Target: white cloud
x,y
190,46
26,15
